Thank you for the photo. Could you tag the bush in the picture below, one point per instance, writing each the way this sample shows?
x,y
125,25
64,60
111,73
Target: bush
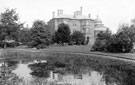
x,y
71,43
78,38
99,45
102,41
11,44
41,46
120,42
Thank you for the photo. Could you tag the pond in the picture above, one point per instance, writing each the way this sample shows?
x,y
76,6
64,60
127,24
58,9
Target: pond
x,y
78,71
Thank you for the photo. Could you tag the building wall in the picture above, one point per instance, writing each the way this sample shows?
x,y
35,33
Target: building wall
x,y
86,26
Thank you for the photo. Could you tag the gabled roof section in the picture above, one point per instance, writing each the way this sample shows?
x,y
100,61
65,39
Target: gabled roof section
x,y
73,17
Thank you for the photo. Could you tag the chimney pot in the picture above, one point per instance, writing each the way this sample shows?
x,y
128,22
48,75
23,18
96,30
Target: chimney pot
x,y
74,14
81,9
89,15
58,12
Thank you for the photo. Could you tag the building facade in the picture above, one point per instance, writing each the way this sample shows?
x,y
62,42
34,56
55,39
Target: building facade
x,y
78,22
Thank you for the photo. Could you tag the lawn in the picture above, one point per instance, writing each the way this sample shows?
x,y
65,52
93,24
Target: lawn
x,y
84,49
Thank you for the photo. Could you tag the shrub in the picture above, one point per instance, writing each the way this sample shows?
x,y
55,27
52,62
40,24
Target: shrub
x,y
120,42
78,38
11,44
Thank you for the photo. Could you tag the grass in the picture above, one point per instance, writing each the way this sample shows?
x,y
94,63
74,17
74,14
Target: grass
x,y
85,49
113,70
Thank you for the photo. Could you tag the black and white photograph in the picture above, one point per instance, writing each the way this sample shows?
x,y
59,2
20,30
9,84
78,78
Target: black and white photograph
x,y
67,42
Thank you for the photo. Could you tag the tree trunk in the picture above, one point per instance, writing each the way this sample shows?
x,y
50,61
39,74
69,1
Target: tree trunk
x,y
5,46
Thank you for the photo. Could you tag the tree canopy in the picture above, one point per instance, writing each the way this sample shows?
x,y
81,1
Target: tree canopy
x,y
122,41
39,35
9,25
78,37
62,35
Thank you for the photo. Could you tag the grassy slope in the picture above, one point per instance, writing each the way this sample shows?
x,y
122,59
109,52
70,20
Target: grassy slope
x,y
65,49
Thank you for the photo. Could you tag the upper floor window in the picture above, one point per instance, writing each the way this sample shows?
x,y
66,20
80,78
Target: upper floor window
x,y
74,24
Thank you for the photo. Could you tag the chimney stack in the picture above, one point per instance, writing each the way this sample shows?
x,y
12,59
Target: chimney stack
x,y
60,12
81,9
74,14
89,15
53,14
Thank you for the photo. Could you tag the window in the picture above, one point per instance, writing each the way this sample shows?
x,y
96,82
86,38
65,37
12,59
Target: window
x,y
74,24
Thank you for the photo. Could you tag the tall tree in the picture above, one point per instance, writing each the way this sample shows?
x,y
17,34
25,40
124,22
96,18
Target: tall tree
x,y
40,35
126,37
9,25
62,35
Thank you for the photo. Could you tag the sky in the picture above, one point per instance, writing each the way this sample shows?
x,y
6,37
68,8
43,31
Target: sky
x,y
111,12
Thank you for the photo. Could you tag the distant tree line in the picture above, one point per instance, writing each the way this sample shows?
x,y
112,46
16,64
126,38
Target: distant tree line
x,y
13,33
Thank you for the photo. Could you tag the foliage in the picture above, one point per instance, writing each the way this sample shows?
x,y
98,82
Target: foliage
x,y
102,41
39,35
78,38
112,70
128,30
9,25
7,77
122,41
125,38
62,35
24,36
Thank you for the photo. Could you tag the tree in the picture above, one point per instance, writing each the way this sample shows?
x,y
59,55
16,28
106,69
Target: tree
x,y
129,30
102,41
78,38
126,38
112,44
9,25
125,42
7,76
62,35
24,36
122,41
40,36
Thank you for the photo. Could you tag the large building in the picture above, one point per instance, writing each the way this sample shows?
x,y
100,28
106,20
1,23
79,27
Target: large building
x,y
90,27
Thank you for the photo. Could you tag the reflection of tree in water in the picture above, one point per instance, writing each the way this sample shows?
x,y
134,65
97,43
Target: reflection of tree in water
x,y
113,71
39,70
6,75
42,70
120,74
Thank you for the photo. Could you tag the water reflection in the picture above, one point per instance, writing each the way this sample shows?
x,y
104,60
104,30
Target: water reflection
x,y
23,71
75,72
6,75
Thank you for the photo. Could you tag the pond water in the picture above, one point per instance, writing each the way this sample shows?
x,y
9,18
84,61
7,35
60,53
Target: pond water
x,y
42,72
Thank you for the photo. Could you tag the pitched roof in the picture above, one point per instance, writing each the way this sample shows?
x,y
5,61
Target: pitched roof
x,y
73,17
